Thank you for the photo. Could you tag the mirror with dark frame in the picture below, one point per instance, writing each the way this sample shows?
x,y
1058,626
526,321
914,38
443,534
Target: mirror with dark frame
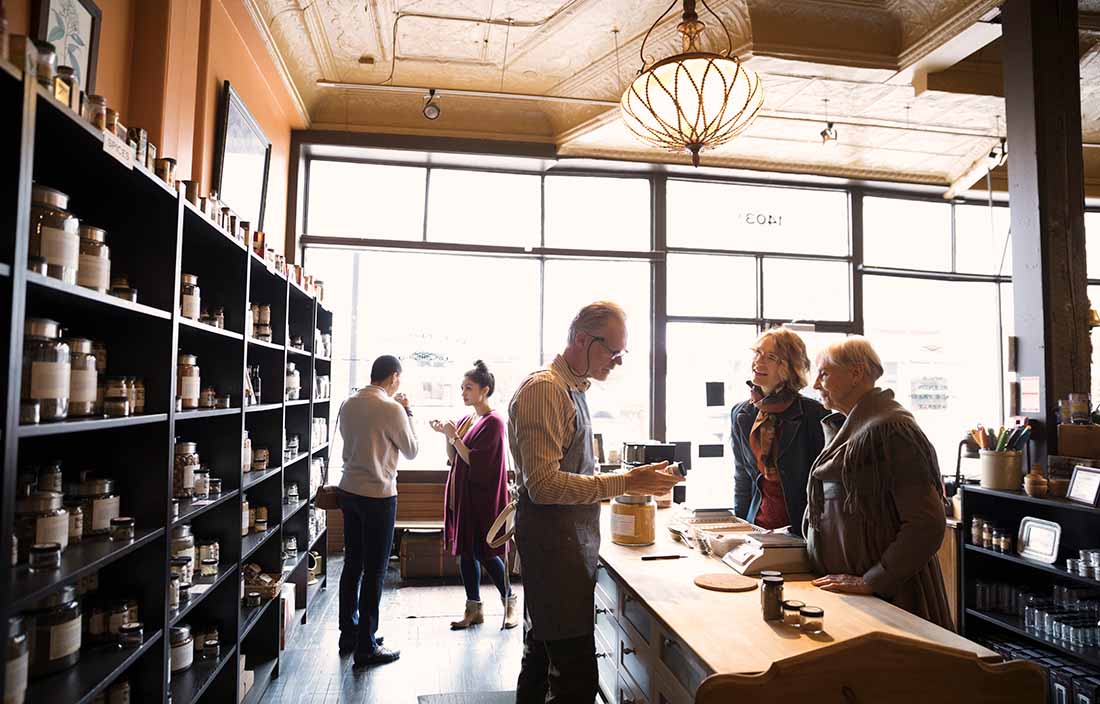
x,y
242,157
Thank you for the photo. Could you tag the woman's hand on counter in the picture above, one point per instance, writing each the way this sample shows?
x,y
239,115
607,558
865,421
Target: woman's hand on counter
x,y
650,479
844,584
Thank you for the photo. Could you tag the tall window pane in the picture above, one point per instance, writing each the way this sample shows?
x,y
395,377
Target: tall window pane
x,y
711,285
365,200
587,212
478,207
1092,244
907,234
939,344
796,289
981,240
620,405
757,218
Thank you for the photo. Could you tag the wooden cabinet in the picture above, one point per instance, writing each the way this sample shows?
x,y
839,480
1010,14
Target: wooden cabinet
x,y
949,557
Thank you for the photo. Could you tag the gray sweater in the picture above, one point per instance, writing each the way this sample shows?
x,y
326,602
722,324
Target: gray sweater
x,y
374,429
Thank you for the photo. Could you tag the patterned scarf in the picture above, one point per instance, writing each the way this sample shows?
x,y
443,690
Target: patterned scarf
x,y
764,429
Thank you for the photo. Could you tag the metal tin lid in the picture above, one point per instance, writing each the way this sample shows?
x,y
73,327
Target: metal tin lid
x,y
793,605
95,487
191,279
180,633
79,345
38,501
772,581
812,611
15,626
180,561
66,71
91,232
65,595
188,359
42,327
126,521
131,627
635,500
44,195
96,99
186,448
209,561
181,531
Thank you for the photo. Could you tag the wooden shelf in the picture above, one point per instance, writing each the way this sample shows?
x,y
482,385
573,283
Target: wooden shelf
x,y
323,446
298,352
80,425
263,673
210,584
265,345
97,669
1041,566
299,402
262,407
189,685
1021,496
191,509
207,413
250,615
1014,624
188,324
79,560
295,460
85,300
196,221
253,478
254,541
290,509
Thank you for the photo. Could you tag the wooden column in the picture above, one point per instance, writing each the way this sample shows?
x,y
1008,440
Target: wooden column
x,y
1046,195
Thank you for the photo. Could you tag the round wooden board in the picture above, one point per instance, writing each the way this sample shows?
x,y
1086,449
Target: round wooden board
x,y
726,582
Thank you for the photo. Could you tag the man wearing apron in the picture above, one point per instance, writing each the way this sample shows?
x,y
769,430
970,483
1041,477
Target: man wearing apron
x,y
558,513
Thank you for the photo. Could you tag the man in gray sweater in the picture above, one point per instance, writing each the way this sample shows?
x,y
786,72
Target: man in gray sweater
x,y
376,429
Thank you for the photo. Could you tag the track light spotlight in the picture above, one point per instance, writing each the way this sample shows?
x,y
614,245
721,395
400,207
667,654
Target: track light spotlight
x,y
828,135
431,108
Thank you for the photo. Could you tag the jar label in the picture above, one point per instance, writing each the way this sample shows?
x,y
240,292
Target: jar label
x,y
94,272
60,248
82,386
76,525
15,679
189,387
49,380
182,656
187,477
189,306
103,510
622,524
64,639
52,529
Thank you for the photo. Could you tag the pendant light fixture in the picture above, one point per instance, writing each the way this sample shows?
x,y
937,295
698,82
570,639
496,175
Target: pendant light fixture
x,y
828,135
693,100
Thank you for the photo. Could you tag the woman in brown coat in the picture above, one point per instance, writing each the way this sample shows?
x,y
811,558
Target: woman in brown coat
x,y
875,517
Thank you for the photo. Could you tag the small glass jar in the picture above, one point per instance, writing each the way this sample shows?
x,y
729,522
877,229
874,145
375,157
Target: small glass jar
x,y
182,647
116,397
293,382
292,492
76,520
40,518
16,662
290,545
211,649
209,550
120,288
190,296
260,525
996,543
791,615
264,314
185,592
55,233
95,111
100,504
263,332
208,568
165,169
122,529
49,478
188,383
208,398
56,625
183,545
94,270
260,457
987,536
246,454
296,342
202,484
215,486
46,369
118,615
812,619
44,557
771,598
46,62
1006,542
633,520
252,599
174,591
219,317
182,567
83,377
185,464
175,510
66,87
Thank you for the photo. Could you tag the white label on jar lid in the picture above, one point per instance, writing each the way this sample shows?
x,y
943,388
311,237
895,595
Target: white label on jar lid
x,y
189,306
622,525
52,529
103,510
189,387
49,380
60,248
64,639
182,656
94,272
82,385
15,679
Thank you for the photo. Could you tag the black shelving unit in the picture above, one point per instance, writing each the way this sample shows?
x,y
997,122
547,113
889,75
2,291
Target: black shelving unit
x,y
154,235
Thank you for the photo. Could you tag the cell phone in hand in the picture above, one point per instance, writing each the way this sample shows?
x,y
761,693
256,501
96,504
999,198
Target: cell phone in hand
x,y
677,469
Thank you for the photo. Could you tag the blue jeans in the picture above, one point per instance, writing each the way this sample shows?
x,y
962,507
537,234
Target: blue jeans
x,y
470,568
368,540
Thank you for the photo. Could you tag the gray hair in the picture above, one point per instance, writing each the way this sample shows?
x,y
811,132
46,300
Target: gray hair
x,y
593,317
852,352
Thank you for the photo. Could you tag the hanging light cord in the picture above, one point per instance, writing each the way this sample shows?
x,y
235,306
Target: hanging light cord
x,y
504,64
641,49
618,71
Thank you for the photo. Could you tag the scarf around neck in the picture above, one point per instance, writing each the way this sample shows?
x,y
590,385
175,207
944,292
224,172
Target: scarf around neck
x,y
765,428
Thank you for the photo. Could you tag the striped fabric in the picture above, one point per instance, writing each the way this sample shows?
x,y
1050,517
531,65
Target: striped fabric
x,y
541,423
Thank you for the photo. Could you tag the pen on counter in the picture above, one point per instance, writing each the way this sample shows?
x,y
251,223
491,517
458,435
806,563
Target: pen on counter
x,y
662,557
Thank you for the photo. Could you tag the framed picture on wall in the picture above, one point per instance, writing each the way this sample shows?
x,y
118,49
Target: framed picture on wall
x,y
242,156
72,26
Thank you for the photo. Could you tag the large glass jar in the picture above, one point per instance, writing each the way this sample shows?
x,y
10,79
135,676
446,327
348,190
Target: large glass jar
x,y
184,465
55,233
16,662
293,382
116,397
40,519
190,297
182,647
83,377
633,520
100,503
45,368
94,270
188,385
183,543
54,626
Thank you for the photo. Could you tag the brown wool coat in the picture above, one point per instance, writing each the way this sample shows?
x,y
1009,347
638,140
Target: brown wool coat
x,y
876,508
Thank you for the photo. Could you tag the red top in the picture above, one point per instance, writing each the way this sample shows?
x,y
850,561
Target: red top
x,y
772,513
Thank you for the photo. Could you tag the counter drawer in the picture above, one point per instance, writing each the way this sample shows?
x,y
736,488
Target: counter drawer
x,y
605,618
607,664
636,614
627,692
681,663
665,691
607,583
634,658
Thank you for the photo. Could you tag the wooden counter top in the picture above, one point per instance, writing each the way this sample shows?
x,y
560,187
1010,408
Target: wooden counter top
x,y
726,629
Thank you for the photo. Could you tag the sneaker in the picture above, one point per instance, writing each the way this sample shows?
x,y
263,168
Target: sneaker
x,y
380,656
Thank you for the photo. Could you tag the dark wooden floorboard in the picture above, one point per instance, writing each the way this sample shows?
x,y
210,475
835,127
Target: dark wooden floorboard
x,y
416,620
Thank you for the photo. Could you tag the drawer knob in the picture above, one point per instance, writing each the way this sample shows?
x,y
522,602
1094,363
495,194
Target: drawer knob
x,y
629,651
602,611
601,655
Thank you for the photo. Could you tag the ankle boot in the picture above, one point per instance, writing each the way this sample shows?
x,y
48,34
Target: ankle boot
x,y
511,612
472,617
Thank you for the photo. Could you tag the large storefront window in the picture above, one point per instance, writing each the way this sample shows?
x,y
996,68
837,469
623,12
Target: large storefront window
x,y
372,201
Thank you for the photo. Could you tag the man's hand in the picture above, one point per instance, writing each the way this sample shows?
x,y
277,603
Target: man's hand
x,y
650,479
844,584
402,399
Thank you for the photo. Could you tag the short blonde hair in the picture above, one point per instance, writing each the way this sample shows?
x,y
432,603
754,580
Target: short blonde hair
x,y
593,317
791,351
852,352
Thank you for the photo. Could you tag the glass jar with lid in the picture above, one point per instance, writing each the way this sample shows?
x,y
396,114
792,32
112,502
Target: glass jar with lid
x,y
263,332
202,484
16,662
76,520
67,87
182,647
183,543
95,111
116,397
100,503
45,368
185,463
293,382
83,377
208,397
55,233
190,296
182,567
45,62
40,518
189,384
94,263
633,520
49,478
55,624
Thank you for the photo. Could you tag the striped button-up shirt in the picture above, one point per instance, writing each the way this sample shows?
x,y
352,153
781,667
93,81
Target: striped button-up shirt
x,y
541,424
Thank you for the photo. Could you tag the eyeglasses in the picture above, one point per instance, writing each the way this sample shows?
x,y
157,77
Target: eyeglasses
x,y
757,353
616,355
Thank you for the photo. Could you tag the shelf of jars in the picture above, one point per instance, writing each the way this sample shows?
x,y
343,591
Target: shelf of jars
x,y
85,680
1034,565
250,616
254,541
201,587
1089,654
190,509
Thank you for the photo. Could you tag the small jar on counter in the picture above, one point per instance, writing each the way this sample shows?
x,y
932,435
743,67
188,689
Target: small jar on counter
x,y
185,464
122,529
40,518
771,598
16,662
83,377
633,520
46,368
182,645
189,382
56,624
190,297
94,269
116,398
55,233
100,503
791,612
812,619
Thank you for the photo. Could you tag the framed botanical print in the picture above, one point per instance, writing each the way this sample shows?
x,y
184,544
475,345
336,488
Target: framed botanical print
x,y
72,26
242,158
